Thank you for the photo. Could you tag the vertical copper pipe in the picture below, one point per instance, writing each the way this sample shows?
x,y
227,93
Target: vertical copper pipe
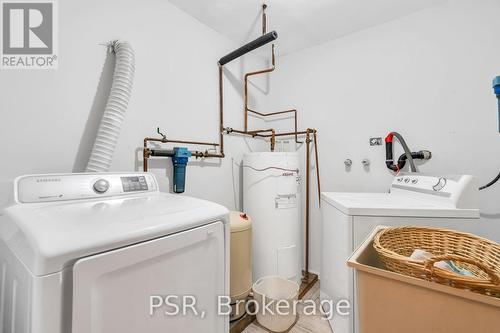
x,y
221,111
308,165
145,156
273,139
317,166
145,161
245,101
245,90
247,110
296,135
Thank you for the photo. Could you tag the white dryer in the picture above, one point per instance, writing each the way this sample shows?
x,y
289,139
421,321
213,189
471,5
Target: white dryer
x,y
414,199
91,253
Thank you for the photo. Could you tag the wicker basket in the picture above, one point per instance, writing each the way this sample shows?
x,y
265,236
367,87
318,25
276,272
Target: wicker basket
x,y
478,255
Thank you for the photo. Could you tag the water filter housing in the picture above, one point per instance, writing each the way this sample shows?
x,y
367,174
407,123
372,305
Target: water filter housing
x,y
179,161
271,196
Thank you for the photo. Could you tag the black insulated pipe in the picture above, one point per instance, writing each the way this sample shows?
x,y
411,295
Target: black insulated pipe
x,y
162,152
261,41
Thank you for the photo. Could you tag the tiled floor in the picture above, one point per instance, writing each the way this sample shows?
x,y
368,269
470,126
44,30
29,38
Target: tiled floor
x,y
305,324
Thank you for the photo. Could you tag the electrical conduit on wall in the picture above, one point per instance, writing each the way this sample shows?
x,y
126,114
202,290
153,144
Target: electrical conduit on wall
x,y
116,108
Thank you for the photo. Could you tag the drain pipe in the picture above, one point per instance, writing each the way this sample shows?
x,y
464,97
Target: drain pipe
x,y
116,108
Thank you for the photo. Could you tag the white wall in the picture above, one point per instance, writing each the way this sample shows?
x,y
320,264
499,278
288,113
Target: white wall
x,y
49,118
427,75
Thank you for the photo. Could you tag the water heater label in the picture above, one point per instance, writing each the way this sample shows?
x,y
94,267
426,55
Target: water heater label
x,y
285,201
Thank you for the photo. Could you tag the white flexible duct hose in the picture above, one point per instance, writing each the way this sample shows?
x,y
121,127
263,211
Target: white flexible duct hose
x,y
116,108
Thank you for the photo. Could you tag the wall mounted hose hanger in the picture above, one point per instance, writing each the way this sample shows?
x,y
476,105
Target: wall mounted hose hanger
x,y
218,148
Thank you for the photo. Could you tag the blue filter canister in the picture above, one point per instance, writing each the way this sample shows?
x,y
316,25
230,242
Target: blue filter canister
x,y
496,88
180,160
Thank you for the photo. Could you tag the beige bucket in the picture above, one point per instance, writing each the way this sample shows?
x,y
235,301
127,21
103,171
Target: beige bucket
x,y
276,292
392,303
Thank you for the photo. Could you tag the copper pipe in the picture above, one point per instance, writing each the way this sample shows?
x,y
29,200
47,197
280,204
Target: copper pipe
x,y
257,133
147,153
245,90
272,113
236,131
221,110
295,121
152,139
260,131
283,134
317,166
184,142
294,111
308,166
273,140
254,132
205,154
245,98
145,156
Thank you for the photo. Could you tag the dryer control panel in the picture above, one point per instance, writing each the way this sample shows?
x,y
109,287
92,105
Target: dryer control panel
x,y
60,187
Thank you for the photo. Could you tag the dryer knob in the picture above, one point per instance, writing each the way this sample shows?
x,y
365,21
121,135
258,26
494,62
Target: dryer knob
x,y
101,186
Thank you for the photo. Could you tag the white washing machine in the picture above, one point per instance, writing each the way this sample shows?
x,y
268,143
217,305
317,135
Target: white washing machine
x,y
96,253
414,199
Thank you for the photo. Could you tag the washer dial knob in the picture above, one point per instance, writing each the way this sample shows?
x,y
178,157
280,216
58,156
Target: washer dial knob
x,y
101,186
440,184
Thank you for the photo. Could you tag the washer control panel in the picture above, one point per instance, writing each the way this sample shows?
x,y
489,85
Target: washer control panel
x,y
457,190
60,187
420,182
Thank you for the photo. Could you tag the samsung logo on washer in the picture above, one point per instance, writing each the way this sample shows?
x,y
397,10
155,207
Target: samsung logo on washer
x,y
28,35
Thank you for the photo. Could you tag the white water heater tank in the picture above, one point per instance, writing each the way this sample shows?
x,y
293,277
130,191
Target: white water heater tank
x,y
271,196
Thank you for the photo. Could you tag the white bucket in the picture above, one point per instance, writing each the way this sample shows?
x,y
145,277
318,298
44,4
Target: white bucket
x,y
279,295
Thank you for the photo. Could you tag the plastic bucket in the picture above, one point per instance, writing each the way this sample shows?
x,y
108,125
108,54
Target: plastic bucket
x,y
275,297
